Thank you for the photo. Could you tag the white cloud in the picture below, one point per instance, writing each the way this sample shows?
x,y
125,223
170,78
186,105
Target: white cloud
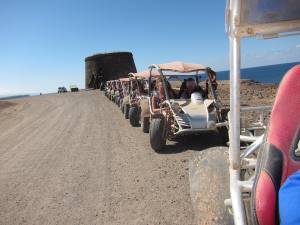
x,y
298,46
4,91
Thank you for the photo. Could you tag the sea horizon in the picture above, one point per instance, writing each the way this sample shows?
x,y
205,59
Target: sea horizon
x,y
262,74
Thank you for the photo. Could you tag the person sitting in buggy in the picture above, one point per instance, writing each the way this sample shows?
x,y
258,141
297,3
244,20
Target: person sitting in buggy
x,y
159,94
188,87
137,89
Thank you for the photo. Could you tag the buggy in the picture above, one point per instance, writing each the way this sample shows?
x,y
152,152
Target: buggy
x,y
200,112
138,112
74,88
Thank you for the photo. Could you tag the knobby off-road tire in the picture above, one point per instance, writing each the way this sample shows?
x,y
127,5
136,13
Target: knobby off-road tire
x,y
157,134
134,116
145,124
126,111
209,186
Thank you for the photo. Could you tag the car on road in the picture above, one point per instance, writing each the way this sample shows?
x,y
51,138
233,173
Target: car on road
x,y
61,90
74,88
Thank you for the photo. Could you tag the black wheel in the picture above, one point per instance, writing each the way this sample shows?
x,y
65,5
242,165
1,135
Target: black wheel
x,y
121,103
117,100
157,134
209,186
145,124
126,111
122,108
223,134
134,116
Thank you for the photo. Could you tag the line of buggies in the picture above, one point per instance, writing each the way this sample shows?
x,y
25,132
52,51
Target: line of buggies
x,y
171,100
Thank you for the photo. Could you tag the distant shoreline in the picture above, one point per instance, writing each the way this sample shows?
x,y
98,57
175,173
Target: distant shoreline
x,y
14,97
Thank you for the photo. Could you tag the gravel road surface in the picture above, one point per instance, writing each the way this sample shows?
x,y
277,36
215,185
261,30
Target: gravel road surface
x,y
73,159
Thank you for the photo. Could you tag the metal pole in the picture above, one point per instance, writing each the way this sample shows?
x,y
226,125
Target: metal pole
x,y
234,131
234,127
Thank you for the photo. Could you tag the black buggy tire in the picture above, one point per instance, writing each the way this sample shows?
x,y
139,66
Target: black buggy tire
x,y
209,186
126,111
121,103
223,134
157,134
145,124
122,108
134,116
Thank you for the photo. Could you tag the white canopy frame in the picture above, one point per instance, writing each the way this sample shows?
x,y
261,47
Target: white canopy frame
x,y
238,28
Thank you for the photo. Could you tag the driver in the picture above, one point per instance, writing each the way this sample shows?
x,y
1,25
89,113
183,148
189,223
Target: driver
x,y
190,88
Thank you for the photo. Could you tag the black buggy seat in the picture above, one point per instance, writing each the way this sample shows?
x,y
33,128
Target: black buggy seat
x,y
277,159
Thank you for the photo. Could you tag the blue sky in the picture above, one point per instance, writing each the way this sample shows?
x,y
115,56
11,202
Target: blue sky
x,y
43,43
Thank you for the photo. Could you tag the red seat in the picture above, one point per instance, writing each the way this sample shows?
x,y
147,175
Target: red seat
x,y
277,159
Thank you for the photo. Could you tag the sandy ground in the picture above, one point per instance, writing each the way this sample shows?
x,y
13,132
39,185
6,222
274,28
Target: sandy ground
x,y
73,159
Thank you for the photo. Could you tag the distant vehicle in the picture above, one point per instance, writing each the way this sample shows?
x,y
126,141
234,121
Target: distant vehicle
x,y
62,90
74,88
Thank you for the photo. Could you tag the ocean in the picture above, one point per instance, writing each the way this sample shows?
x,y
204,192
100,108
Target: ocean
x,y
262,74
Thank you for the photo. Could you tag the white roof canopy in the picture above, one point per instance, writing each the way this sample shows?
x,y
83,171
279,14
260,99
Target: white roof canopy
x,y
255,17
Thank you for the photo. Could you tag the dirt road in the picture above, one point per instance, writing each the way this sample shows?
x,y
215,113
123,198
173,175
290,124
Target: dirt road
x,y
73,159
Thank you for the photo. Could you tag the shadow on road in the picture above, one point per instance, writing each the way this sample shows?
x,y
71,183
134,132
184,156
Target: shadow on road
x,y
192,142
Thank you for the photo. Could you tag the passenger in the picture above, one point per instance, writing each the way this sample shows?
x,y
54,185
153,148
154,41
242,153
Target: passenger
x,y
213,77
171,92
192,87
141,85
134,89
182,88
159,94
153,84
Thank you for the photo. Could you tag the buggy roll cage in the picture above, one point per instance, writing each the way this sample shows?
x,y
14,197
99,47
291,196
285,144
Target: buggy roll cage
x,y
183,69
178,67
246,18
174,67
